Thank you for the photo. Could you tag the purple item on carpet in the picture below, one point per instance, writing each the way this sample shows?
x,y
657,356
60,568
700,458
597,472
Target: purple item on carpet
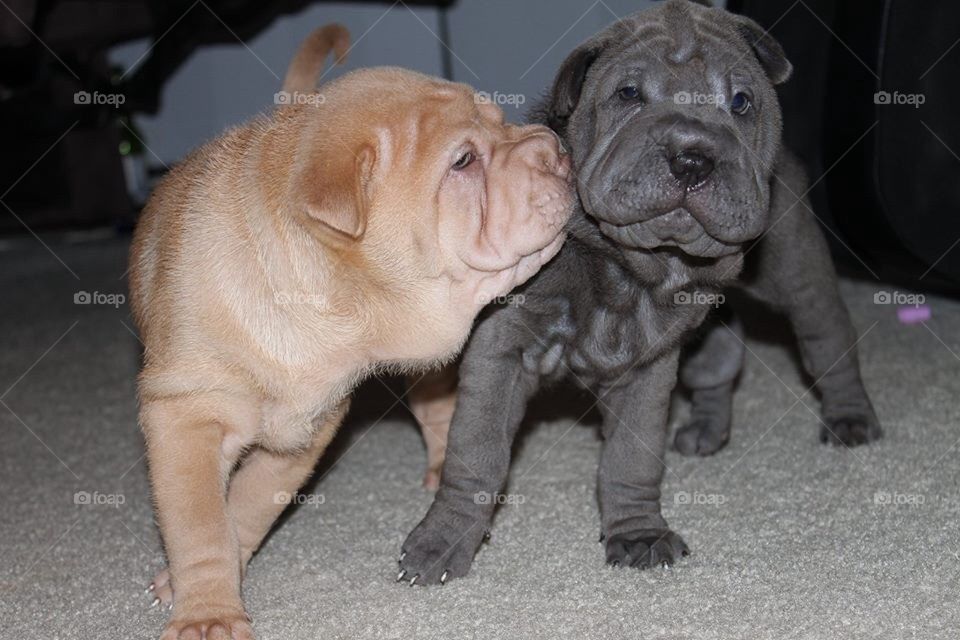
x,y
913,315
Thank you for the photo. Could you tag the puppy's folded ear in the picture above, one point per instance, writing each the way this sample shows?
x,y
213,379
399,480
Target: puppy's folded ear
x,y
335,190
569,83
768,51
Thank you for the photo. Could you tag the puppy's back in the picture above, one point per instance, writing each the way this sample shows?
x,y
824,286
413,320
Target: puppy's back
x,y
188,207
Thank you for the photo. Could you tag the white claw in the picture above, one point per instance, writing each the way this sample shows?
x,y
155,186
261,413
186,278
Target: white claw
x,y
413,580
150,589
443,578
400,575
155,602
403,555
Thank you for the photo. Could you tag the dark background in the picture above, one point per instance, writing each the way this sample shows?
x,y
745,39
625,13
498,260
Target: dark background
x,y
886,176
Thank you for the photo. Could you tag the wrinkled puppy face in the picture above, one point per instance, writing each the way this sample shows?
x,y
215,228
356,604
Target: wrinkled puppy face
x,y
503,196
442,201
675,125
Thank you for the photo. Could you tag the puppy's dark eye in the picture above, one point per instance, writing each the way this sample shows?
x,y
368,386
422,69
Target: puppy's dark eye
x,y
628,93
465,161
740,104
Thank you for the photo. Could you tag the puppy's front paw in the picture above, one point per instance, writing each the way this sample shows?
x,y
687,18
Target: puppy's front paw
x,y
440,548
850,431
226,627
645,549
702,438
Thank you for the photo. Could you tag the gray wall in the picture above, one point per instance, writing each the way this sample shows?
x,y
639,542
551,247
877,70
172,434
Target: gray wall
x,y
508,46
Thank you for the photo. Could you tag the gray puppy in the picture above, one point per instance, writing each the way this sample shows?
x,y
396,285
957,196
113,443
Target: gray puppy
x,y
675,190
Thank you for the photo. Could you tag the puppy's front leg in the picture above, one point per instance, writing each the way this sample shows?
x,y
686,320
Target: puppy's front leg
x,y
494,391
433,397
259,492
190,456
631,467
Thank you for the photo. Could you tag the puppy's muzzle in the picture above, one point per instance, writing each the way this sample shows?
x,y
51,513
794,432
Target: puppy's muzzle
x,y
674,181
546,150
690,149
691,168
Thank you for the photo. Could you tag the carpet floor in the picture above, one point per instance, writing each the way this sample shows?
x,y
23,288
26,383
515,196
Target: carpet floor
x,y
790,538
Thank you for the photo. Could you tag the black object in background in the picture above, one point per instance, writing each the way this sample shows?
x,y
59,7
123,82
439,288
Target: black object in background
x,y
872,110
64,161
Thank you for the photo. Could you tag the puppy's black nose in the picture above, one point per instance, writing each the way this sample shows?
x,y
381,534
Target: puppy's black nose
x,y
691,167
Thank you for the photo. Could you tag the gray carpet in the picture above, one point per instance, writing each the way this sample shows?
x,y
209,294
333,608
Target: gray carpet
x,y
791,539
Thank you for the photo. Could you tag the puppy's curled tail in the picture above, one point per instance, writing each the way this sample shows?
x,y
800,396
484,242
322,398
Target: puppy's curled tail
x,y
310,57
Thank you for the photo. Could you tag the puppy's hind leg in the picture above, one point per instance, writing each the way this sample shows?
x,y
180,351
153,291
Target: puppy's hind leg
x,y
796,276
433,398
266,483
709,371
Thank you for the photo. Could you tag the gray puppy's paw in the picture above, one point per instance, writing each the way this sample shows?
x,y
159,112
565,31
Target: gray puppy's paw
x,y
440,548
701,438
850,431
645,549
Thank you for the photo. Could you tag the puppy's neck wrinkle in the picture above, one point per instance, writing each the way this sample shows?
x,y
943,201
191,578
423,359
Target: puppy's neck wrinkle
x,y
662,271
596,249
300,287
295,254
